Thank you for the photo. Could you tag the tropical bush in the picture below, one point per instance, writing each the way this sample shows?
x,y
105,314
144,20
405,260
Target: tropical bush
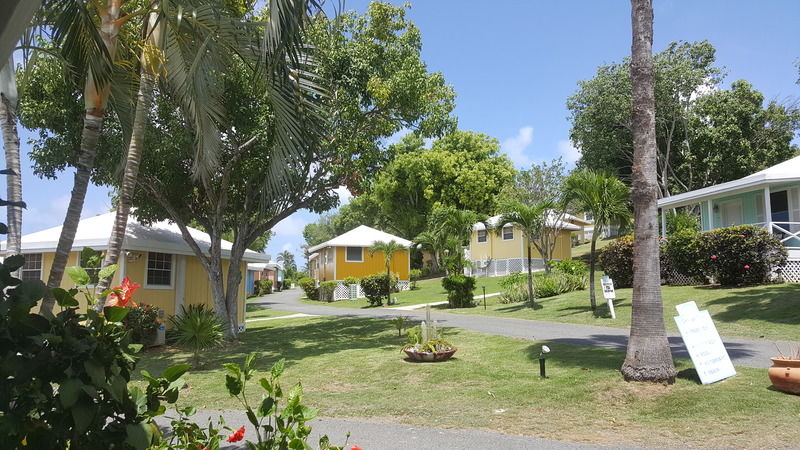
x,y
196,329
351,280
570,267
741,255
413,276
263,287
400,322
434,343
459,290
515,288
326,289
142,320
376,287
309,286
682,221
686,254
616,260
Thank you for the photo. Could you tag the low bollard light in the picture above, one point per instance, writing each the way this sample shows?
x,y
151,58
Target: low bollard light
x,y
542,371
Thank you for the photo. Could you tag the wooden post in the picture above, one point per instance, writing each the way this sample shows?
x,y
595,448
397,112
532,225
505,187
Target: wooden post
x,y
767,210
710,214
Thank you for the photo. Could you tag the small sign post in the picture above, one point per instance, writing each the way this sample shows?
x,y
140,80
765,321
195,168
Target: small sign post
x,y
608,293
702,340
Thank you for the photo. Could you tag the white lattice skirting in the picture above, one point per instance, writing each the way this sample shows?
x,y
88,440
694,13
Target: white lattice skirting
x,y
501,267
352,292
791,273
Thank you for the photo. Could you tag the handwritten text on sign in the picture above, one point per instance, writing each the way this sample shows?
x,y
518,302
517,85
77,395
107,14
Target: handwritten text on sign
x,y
705,347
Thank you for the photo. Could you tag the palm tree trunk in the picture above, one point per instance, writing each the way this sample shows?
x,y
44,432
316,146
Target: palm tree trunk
x,y
592,300
530,278
8,117
648,356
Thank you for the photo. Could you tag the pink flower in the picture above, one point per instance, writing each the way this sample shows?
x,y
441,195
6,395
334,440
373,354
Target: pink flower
x,y
714,257
237,436
747,267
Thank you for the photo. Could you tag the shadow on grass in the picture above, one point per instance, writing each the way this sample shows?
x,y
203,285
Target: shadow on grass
x,y
773,303
567,356
521,306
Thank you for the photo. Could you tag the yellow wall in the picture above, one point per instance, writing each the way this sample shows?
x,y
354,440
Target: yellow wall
x,y
372,264
496,248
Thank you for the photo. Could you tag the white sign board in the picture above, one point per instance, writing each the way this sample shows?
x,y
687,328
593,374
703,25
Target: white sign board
x,y
705,347
608,287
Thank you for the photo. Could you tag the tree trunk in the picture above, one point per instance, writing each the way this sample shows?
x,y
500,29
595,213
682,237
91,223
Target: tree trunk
x,y
130,176
8,116
592,300
530,278
232,293
648,356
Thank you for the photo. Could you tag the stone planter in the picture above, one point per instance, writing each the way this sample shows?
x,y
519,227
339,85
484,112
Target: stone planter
x,y
785,374
429,356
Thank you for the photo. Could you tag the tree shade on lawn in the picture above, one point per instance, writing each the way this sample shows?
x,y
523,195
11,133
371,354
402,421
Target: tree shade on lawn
x,y
648,355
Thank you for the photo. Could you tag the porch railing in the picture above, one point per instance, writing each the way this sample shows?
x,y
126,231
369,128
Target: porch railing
x,y
787,232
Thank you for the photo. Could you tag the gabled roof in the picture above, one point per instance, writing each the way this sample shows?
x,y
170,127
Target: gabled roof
x,y
494,222
161,237
272,265
362,236
785,172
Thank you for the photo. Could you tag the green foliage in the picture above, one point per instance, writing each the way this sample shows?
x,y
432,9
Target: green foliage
x,y
570,267
400,322
413,276
326,289
677,223
263,287
433,344
197,328
143,322
351,280
742,255
685,253
388,249
572,276
616,260
459,290
65,377
377,287
309,287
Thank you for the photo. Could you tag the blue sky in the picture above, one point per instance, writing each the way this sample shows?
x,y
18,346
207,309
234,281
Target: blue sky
x,y
514,65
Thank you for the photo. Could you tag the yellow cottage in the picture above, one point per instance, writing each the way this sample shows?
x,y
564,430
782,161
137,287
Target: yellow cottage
x,y
496,252
155,256
348,255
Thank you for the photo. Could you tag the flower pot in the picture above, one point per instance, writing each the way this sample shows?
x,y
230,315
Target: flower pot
x,y
785,374
159,337
429,356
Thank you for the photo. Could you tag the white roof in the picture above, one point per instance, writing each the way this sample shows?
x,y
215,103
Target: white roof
x,y
258,267
161,237
578,219
362,236
494,221
785,172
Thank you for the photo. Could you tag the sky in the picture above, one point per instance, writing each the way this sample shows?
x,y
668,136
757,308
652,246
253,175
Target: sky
x,y
514,65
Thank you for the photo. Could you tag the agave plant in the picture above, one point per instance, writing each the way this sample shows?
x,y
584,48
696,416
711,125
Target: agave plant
x,y
197,328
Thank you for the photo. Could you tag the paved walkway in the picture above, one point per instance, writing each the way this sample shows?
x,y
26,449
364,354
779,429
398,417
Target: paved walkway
x,y
371,435
743,352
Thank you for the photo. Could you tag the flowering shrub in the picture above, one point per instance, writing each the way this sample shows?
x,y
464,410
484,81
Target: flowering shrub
x,y
616,260
459,290
377,287
309,286
122,294
142,320
740,255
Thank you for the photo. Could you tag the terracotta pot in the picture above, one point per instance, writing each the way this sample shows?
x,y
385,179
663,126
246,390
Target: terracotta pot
x,y
785,375
430,356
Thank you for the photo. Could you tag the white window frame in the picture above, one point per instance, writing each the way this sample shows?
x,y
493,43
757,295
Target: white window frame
x,y
485,236
41,266
171,285
347,255
722,206
503,232
329,255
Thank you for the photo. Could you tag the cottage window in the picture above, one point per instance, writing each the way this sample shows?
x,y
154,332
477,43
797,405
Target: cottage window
x,y
508,233
330,253
159,269
482,235
32,269
355,254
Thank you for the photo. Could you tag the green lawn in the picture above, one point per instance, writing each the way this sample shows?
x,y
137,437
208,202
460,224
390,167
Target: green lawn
x,y
255,311
771,311
353,368
581,252
428,291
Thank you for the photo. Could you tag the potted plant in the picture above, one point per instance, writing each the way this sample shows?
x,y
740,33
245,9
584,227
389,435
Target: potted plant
x,y
785,372
426,345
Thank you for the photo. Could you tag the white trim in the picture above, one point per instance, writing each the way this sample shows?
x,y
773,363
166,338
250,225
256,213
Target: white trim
x,y
768,208
347,257
663,225
171,273
710,209
41,267
503,233
485,236
180,283
334,262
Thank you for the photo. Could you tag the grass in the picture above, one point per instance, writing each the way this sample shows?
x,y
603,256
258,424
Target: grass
x,y
427,291
255,311
581,252
769,311
353,368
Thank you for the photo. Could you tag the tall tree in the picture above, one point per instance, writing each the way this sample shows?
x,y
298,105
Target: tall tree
x,y
453,228
533,220
8,124
607,198
648,356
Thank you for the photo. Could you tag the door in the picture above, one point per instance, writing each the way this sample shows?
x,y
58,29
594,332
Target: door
x,y
731,212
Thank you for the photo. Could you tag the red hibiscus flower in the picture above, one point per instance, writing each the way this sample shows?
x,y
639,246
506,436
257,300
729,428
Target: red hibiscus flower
x,y
355,447
237,436
122,294
714,257
747,267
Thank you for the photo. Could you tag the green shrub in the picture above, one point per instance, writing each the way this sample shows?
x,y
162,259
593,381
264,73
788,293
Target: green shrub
x,y
570,266
514,290
682,221
413,276
351,280
263,287
459,290
616,260
326,289
741,255
143,322
309,286
376,287
196,329
686,254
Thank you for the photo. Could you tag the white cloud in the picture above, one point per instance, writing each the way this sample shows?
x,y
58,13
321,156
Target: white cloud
x,y
344,195
569,152
515,146
291,226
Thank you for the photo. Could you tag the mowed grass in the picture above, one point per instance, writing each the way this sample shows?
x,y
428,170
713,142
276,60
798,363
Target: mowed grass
x,y
353,368
427,291
769,311
257,312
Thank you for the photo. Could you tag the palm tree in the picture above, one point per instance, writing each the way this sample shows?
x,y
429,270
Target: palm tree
x,y
453,227
607,198
648,355
434,242
8,123
532,220
287,258
388,249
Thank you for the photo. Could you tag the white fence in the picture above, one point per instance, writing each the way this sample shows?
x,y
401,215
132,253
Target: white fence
x,y
501,267
353,291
